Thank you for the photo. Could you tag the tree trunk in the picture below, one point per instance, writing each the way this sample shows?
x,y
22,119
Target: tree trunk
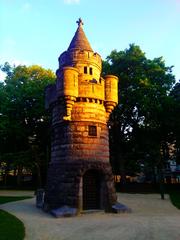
x,y
161,184
19,176
122,172
163,159
6,175
39,178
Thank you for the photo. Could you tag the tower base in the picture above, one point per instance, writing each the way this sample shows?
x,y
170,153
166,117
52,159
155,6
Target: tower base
x,y
81,185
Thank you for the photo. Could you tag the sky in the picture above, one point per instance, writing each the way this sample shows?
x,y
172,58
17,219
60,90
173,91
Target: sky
x,y
38,31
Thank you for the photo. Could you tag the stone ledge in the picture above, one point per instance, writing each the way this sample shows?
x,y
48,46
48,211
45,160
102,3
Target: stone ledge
x,y
64,211
120,208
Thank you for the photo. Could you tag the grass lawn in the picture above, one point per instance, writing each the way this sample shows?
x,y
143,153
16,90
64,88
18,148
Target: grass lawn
x,y
11,228
175,198
5,199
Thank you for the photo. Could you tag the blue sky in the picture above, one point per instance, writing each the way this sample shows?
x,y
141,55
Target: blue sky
x,y
38,31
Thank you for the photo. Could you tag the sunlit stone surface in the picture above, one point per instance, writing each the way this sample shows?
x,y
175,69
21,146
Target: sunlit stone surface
x,y
79,174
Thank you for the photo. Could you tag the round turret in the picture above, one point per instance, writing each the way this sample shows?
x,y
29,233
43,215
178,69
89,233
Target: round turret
x,y
111,93
70,81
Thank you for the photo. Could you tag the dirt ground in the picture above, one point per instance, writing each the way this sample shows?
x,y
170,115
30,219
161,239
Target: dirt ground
x,y
151,219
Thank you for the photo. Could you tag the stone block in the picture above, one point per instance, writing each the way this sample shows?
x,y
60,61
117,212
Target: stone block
x,y
64,211
80,128
120,208
39,198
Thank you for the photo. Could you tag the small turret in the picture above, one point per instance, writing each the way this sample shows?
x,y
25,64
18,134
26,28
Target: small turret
x,y
70,89
111,93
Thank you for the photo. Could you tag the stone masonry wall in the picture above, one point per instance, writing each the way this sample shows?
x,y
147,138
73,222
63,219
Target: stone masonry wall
x,y
71,142
64,184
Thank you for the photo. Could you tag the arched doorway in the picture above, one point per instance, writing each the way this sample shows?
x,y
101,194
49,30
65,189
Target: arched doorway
x,y
91,190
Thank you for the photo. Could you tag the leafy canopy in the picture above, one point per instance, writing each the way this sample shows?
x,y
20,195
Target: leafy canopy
x,y
23,119
143,117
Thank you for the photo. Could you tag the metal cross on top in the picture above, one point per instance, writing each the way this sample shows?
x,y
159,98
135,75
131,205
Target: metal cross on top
x,y
80,22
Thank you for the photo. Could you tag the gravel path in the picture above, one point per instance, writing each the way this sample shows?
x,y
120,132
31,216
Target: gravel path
x,y
151,219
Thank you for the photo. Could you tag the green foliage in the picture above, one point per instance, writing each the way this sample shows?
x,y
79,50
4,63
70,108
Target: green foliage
x,y
175,94
142,123
23,120
11,227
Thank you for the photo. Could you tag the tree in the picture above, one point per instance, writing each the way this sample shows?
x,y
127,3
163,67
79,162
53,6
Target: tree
x,y
141,121
23,125
175,94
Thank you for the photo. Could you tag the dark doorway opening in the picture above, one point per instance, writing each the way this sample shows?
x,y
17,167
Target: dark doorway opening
x,y
91,190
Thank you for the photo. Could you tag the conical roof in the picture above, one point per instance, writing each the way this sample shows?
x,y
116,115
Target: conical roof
x,y
79,40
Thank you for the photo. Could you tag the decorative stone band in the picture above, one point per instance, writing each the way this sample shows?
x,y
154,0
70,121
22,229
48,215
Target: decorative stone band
x,y
91,100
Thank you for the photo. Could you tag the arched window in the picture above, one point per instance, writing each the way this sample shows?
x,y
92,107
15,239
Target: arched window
x,y
85,70
90,71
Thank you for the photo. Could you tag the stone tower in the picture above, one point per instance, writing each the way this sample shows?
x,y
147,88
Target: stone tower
x,y
80,102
